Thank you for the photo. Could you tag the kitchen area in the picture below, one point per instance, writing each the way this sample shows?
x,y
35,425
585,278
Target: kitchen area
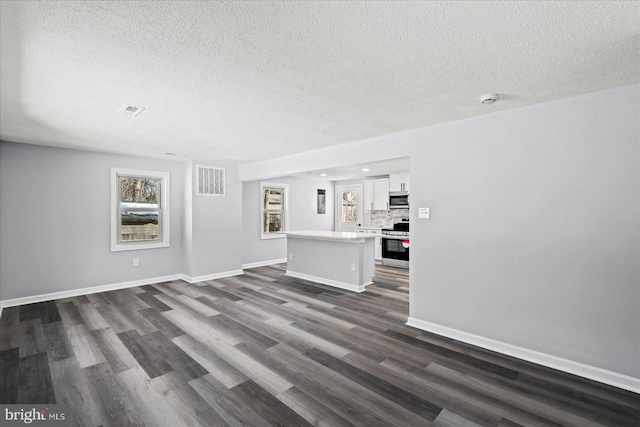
x,y
386,212
371,205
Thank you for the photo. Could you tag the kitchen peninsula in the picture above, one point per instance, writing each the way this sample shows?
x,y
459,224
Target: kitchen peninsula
x,y
341,259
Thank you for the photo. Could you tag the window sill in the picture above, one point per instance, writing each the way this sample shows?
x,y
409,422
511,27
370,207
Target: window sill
x,y
140,246
273,236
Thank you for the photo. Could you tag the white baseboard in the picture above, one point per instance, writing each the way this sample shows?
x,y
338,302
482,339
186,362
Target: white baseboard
x,y
263,263
86,291
113,287
213,276
591,372
334,283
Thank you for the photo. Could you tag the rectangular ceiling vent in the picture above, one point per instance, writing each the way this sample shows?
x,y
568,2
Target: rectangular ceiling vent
x,y
130,110
211,181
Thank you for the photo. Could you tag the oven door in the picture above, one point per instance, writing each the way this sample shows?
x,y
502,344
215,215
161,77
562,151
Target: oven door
x,y
392,248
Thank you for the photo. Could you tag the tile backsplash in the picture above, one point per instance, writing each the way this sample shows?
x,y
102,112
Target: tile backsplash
x,y
381,219
384,219
400,213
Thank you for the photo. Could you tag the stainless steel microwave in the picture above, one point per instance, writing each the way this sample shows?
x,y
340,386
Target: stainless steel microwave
x,y
399,200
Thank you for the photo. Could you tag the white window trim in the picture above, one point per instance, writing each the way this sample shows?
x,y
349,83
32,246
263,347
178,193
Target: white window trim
x,y
165,206
285,227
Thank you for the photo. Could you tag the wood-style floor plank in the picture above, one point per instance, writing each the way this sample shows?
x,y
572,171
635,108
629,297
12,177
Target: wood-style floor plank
x,y
69,313
311,410
91,317
265,349
35,380
416,386
10,375
72,387
267,406
214,364
57,341
145,395
480,364
394,393
116,404
170,330
184,400
10,328
84,346
356,403
228,405
115,352
153,363
31,338
45,311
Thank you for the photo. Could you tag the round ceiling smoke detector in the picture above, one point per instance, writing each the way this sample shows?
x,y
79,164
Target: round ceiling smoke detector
x,y
489,98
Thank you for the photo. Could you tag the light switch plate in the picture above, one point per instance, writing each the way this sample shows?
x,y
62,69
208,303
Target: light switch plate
x,y
423,213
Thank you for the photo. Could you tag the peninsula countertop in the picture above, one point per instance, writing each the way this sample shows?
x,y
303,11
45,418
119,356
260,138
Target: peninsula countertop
x,y
332,235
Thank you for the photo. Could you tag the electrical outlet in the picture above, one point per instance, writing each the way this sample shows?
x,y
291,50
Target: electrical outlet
x,y
290,257
136,262
353,266
423,213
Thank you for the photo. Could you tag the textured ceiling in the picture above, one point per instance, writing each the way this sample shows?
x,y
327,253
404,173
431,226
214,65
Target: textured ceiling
x,y
245,81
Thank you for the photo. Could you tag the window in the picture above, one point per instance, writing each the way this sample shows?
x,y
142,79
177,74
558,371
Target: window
x,y
139,209
349,206
274,209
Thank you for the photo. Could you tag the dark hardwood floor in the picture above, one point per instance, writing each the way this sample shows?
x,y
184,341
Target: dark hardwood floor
x,y
263,349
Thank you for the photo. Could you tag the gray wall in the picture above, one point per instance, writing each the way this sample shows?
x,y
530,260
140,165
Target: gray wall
x,y
303,215
55,221
534,236
216,234
534,232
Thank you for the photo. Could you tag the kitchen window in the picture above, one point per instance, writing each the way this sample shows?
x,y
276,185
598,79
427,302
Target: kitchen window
x,y
139,209
275,212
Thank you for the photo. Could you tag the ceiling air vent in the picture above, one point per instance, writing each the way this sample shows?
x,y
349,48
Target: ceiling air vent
x,y
130,110
211,181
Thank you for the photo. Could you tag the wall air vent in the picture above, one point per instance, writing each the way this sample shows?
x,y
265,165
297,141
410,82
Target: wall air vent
x,y
130,110
211,181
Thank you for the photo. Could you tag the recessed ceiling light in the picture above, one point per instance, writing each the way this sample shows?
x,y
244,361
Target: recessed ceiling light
x,y
365,170
170,154
489,98
323,174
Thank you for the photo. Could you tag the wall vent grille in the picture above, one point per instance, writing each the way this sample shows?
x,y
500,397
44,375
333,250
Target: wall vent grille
x,y
211,181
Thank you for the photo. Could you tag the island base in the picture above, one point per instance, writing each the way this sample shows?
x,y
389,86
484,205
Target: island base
x,y
325,281
343,264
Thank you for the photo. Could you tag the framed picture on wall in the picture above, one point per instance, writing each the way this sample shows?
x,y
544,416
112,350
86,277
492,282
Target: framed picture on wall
x,y
322,201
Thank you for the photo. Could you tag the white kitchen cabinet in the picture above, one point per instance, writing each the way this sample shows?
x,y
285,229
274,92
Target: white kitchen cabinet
x,y
368,195
376,194
399,182
380,194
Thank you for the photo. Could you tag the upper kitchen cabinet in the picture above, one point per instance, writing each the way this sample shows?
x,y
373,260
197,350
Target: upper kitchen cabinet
x,y
399,182
376,194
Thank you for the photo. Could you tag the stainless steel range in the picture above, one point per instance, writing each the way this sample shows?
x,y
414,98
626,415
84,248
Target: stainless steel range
x,y
395,245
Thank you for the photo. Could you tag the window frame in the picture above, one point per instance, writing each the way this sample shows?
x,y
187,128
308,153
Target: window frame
x,y
285,210
164,210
